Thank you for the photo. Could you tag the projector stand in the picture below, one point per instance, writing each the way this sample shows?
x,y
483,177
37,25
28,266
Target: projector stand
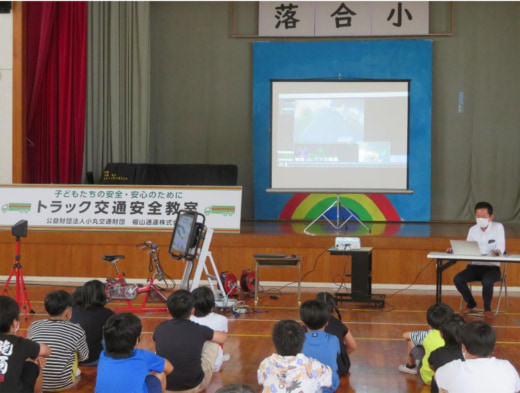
x,y
338,205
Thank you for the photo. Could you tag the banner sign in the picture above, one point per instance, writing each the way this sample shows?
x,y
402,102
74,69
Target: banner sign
x,y
125,208
339,19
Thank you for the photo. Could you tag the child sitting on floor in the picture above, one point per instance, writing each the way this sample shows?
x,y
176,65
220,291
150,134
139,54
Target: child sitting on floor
x,y
419,354
451,331
125,368
481,371
204,315
20,358
66,339
90,313
191,348
319,344
347,343
289,370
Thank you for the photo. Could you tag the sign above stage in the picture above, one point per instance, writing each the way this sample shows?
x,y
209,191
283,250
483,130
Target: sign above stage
x,y
337,19
123,208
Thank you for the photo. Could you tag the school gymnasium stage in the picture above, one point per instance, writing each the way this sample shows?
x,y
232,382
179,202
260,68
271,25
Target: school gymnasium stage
x,y
400,270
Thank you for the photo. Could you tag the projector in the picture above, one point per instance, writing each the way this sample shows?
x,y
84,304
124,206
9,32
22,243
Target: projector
x,y
348,243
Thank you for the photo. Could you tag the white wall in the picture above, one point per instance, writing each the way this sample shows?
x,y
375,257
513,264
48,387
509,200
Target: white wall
x,y
6,98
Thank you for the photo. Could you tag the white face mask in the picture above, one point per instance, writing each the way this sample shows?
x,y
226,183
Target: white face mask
x,y
482,222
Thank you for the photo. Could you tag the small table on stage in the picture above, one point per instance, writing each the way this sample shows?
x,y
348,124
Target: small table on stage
x,y
361,284
445,260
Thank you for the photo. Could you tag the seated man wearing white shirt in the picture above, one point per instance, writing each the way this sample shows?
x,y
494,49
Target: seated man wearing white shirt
x,y
491,239
480,372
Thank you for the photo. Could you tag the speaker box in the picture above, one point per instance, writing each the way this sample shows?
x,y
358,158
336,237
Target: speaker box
x,y
5,7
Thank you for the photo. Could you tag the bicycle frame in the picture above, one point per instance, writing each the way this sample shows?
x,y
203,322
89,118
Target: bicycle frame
x,y
130,291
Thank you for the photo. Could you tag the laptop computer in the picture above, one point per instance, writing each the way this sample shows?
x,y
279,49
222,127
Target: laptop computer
x,y
464,247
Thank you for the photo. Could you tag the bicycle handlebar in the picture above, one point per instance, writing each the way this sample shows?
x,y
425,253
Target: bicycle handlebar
x,y
154,257
147,245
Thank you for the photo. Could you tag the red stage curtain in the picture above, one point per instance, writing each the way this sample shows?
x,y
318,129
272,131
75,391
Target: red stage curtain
x,y
55,87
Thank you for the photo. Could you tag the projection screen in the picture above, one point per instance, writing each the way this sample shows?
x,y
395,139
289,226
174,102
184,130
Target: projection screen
x,y
339,136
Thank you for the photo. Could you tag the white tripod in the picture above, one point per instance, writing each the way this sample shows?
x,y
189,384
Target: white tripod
x,y
221,298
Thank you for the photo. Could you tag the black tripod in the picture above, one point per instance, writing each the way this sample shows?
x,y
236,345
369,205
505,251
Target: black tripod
x,y
22,298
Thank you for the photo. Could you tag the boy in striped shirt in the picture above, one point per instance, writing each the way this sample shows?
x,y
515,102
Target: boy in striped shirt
x,y
67,341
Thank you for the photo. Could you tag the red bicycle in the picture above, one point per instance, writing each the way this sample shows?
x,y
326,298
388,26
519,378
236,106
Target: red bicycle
x,y
117,288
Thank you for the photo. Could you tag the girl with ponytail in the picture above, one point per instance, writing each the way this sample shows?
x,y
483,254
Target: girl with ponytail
x,y
340,330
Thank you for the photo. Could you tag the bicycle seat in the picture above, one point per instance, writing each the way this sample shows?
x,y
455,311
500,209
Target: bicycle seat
x,y
112,258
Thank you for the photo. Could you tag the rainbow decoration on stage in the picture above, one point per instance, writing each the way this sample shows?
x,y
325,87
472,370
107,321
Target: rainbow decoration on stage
x,y
367,207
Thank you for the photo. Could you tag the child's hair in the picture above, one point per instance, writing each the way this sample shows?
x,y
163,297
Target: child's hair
x,y
437,314
121,332
57,302
288,337
235,388
93,294
77,296
204,301
180,304
9,312
479,338
330,301
314,314
451,330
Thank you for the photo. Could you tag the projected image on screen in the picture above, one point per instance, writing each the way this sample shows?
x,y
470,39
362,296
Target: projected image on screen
x,y
328,121
344,135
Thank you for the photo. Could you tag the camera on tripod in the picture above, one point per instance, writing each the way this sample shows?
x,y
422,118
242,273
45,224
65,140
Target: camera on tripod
x,y
19,229
22,298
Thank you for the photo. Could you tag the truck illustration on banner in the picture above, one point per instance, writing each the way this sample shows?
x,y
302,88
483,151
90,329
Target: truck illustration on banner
x,y
224,210
16,207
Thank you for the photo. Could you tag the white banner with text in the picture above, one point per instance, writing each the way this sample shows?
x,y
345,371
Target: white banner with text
x,y
125,208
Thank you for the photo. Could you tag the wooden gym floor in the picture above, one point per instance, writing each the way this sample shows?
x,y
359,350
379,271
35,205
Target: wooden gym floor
x,y
377,331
